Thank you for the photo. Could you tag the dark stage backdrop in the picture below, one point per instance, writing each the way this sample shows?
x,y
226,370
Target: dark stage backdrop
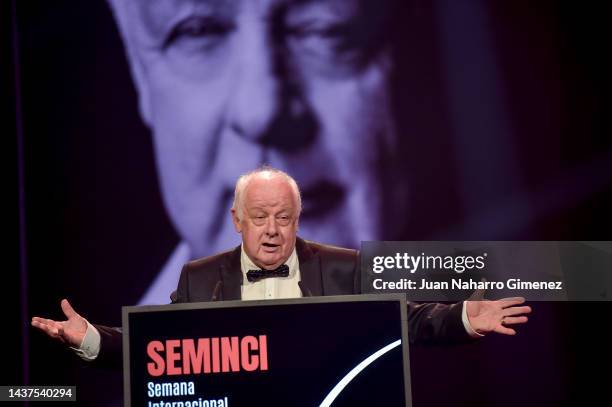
x,y
500,131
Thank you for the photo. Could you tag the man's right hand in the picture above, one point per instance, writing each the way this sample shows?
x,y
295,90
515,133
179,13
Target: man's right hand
x,y
72,331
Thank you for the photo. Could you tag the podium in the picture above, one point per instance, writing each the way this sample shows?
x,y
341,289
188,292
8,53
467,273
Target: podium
x,y
316,351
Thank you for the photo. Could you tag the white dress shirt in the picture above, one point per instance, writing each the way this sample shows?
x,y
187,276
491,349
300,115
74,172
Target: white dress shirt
x,y
270,288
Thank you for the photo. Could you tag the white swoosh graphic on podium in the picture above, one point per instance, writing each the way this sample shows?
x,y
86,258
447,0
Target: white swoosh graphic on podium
x,y
356,370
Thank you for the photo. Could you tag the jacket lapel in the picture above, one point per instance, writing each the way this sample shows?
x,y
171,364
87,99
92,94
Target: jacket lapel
x,y
310,267
231,274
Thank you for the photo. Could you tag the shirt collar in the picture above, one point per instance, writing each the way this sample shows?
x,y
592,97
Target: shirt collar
x,y
247,264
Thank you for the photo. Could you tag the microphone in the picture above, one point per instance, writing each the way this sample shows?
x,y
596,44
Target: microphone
x,y
217,291
305,291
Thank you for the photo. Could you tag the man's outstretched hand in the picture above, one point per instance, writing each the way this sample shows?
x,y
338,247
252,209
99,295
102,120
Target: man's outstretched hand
x,y
72,331
495,316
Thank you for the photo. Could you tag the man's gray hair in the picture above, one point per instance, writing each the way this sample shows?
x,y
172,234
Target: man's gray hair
x,y
245,179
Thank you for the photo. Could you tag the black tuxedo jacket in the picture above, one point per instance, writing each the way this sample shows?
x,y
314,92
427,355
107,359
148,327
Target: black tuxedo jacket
x,y
324,270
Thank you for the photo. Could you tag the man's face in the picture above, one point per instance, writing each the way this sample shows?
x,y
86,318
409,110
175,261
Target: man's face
x,y
227,86
267,220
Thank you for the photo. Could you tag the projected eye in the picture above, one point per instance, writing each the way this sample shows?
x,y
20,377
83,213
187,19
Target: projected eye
x,y
198,33
329,45
321,39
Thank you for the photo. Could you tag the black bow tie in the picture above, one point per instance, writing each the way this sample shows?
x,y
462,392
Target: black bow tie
x,y
256,275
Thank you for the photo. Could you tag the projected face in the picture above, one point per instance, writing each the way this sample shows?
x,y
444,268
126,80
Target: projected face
x,y
226,86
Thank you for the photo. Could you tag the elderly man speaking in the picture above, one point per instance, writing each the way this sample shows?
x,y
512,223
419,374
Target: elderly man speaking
x,y
272,262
